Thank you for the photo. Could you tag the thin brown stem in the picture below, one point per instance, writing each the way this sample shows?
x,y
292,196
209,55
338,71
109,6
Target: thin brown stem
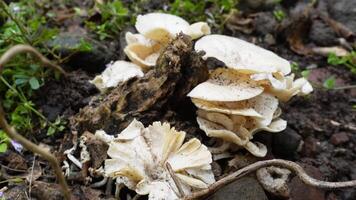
x,y
294,167
175,180
13,134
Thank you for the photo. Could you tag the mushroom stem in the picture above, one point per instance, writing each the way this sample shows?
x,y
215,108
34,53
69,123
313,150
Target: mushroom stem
x,y
12,133
294,167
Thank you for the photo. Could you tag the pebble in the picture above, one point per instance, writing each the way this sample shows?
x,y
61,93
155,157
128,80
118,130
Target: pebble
x,y
339,138
246,188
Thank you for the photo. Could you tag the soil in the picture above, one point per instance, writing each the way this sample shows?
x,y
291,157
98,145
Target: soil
x,y
325,121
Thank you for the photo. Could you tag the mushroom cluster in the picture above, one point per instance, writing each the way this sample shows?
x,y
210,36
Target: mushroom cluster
x,y
155,31
156,161
241,98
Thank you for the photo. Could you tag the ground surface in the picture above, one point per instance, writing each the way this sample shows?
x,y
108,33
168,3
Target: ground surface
x,y
321,132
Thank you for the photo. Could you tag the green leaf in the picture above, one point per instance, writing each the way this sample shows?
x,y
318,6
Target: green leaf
x,y
20,81
3,147
34,83
305,73
51,131
329,83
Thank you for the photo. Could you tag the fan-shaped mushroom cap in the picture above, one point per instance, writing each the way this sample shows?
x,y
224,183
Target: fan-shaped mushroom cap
x,y
138,158
132,38
241,55
300,86
115,73
160,26
198,30
215,130
143,55
216,107
226,85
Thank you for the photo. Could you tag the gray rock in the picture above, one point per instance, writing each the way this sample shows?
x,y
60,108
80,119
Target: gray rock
x,y
246,188
321,34
343,11
94,60
285,144
265,23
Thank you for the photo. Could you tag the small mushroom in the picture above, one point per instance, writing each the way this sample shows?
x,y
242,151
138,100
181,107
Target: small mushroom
x,y
115,73
155,30
139,159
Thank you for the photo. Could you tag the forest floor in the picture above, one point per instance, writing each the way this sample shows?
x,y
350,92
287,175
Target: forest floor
x,y
321,133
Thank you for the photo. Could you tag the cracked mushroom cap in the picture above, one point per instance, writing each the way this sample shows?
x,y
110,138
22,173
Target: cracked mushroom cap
x,y
139,157
226,85
119,71
241,55
162,27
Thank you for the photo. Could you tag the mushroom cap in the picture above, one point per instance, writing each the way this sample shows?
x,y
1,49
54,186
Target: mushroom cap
x,y
241,55
116,72
138,159
160,26
226,85
143,55
300,86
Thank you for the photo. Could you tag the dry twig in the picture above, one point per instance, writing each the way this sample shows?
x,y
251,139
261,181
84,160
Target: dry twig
x,y
12,133
294,167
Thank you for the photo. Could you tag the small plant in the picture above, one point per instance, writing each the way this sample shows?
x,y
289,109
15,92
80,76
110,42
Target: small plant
x,y
296,69
114,16
329,83
22,77
212,11
349,60
279,15
4,140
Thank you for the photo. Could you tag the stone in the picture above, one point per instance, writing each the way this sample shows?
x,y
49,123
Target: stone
x,y
286,143
344,12
246,188
339,138
265,23
94,60
46,191
310,147
300,191
18,192
321,33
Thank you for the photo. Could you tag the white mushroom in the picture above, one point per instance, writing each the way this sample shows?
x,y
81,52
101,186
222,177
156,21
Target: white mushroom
x,y
162,27
139,157
115,73
155,31
226,85
241,55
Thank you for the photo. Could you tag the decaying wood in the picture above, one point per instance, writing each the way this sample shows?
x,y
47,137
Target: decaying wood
x,y
178,70
12,133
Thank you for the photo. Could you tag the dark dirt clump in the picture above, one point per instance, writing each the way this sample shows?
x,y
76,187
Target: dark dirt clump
x,y
64,97
326,122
